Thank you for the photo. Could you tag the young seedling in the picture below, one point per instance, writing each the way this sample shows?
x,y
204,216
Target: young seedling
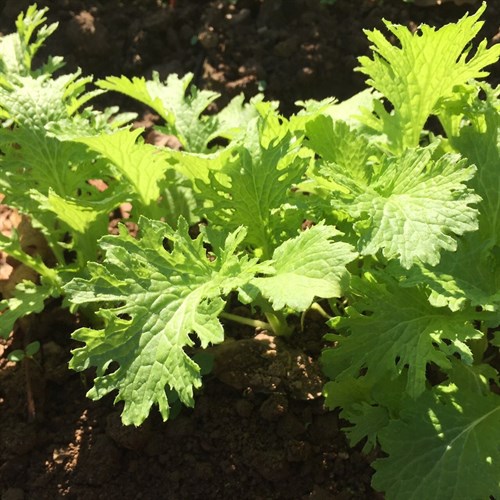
x,y
25,357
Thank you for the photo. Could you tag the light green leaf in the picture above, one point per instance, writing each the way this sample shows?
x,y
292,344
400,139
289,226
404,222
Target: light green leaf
x,y
468,277
156,299
78,214
181,110
348,111
17,50
307,266
254,188
478,140
182,106
177,199
197,167
16,356
232,120
444,445
394,330
87,217
349,150
36,102
140,165
154,94
421,71
471,275
28,298
414,207
12,246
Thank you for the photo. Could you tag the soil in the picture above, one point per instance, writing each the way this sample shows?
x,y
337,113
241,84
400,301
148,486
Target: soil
x,y
259,429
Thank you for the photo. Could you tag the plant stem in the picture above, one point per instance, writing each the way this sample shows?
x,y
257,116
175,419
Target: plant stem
x,y
316,307
29,390
278,323
247,321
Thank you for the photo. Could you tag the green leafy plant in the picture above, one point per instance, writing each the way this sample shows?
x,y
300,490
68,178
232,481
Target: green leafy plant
x,y
17,355
401,241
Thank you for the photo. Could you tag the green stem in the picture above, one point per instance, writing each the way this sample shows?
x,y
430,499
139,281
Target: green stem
x,y
247,321
278,323
313,307
35,264
316,307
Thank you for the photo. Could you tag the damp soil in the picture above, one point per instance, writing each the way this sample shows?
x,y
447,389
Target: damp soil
x,y
259,429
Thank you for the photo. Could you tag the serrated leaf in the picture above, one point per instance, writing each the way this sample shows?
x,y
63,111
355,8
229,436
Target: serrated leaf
x,y
445,445
365,402
181,110
87,218
307,266
353,396
414,207
344,149
468,277
348,111
478,140
139,164
156,300
254,187
367,421
394,329
420,72
17,50
78,214
38,101
12,246
28,298
409,206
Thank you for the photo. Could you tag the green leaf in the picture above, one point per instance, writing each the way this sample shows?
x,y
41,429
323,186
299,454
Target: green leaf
x,y
254,188
177,199
394,330
354,397
468,277
181,111
182,106
38,101
368,420
410,206
345,150
17,50
152,301
12,246
16,355
348,111
28,298
32,348
478,140
138,164
78,214
421,71
471,275
86,217
198,167
307,266
444,445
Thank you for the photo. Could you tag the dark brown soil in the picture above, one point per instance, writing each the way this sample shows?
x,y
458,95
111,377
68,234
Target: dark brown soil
x,y
259,429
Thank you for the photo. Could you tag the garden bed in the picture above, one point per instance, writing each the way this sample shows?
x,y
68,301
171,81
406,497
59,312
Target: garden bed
x,y
259,429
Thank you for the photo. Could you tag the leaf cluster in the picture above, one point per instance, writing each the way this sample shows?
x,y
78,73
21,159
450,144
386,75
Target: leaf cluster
x,y
395,228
